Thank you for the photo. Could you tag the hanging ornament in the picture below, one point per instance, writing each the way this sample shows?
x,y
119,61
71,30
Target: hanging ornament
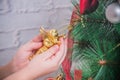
x,y
88,6
59,77
50,39
113,12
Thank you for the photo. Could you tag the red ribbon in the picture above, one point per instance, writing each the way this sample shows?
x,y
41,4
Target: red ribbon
x,y
66,65
77,74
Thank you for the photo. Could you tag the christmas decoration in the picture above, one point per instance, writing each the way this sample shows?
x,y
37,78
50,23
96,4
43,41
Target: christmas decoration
x,y
88,6
74,16
94,44
113,12
96,47
50,38
66,65
59,77
78,75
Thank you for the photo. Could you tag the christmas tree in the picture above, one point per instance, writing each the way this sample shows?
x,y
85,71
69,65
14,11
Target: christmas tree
x,y
95,41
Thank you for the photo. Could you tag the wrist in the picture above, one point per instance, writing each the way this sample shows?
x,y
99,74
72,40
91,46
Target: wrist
x,y
23,74
10,68
30,73
5,71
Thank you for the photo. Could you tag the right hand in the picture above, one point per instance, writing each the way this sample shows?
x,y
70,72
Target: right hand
x,y
48,61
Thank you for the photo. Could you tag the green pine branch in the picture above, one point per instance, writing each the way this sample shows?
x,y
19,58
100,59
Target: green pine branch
x,y
97,40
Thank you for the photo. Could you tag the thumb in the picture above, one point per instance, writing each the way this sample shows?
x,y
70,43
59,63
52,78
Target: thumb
x,y
32,46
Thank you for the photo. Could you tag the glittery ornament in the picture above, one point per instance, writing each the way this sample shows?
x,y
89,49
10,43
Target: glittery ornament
x,y
113,12
50,38
59,77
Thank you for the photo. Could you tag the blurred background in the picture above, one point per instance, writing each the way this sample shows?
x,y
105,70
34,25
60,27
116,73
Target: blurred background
x,y
20,21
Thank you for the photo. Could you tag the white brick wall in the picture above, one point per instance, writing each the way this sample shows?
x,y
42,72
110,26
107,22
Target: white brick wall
x,y
20,21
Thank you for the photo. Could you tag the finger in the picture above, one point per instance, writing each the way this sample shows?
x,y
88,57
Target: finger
x,y
58,56
38,38
32,46
65,52
50,52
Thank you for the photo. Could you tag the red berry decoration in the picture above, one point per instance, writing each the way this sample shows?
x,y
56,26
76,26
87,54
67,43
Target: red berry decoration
x,y
88,6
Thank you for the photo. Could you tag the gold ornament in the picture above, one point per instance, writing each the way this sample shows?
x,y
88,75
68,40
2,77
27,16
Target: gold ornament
x,y
59,77
50,38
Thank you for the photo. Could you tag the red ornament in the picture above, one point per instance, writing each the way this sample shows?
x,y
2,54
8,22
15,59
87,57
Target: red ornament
x,y
88,6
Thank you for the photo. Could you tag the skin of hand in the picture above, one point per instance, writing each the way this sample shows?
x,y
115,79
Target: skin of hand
x,y
20,60
42,64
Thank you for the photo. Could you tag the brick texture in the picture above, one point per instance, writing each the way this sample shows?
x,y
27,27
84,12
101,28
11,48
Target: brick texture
x,y
6,40
20,21
22,6
62,3
4,6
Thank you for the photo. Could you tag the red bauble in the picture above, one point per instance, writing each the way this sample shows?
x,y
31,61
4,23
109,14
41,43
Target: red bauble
x,y
88,6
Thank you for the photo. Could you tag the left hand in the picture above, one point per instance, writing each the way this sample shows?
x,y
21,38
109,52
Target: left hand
x,y
42,64
47,62
20,60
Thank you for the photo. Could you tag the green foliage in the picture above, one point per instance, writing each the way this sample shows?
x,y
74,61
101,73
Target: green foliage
x,y
96,51
97,39
117,27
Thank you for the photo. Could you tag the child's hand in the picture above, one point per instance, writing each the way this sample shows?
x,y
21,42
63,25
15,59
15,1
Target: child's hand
x,y
48,61
20,60
41,64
